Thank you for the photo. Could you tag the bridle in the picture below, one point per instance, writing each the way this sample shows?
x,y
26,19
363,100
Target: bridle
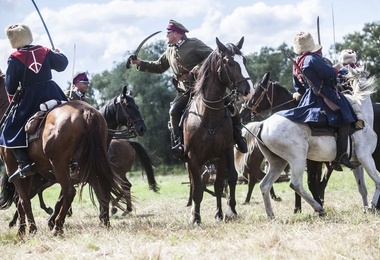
x,y
232,85
264,95
121,104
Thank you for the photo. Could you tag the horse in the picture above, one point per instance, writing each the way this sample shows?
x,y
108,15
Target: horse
x,y
119,111
280,151
271,97
207,126
85,129
117,183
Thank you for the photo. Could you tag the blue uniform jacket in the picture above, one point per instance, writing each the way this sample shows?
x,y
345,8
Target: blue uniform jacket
x,y
38,88
322,75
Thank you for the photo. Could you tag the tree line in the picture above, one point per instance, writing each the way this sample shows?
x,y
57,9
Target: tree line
x,y
154,92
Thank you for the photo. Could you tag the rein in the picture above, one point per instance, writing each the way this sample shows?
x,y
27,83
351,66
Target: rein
x,y
270,99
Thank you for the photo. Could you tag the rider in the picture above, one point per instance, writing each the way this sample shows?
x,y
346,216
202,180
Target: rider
x,y
184,56
30,67
79,88
347,59
312,108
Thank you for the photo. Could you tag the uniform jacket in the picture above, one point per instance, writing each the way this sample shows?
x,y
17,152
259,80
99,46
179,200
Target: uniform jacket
x,y
322,75
76,95
30,65
180,59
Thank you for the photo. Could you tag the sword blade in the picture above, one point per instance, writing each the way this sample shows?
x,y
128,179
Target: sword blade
x,y
144,41
43,22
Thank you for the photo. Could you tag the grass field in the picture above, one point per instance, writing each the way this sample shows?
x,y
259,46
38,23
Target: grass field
x,y
159,227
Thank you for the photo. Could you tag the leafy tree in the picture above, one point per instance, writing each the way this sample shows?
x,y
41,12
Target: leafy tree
x,y
273,61
152,93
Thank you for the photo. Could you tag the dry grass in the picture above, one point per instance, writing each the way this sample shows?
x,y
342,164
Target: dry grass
x,y
160,229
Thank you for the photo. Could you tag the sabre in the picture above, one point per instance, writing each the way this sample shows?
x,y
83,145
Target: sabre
x,y
134,56
43,22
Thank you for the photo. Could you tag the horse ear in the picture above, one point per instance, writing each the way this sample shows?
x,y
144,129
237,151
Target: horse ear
x,y
125,90
220,45
240,43
264,80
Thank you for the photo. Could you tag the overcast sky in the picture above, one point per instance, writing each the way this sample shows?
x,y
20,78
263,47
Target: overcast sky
x,y
101,31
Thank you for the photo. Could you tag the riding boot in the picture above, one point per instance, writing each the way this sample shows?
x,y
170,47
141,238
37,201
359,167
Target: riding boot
x,y
24,164
241,143
178,150
341,147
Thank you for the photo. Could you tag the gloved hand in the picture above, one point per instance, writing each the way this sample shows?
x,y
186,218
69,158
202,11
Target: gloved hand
x,y
128,64
297,96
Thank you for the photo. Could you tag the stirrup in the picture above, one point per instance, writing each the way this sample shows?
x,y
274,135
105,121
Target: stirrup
x,y
336,166
22,172
178,151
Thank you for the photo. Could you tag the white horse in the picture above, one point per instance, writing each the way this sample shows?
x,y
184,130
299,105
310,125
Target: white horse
x,y
283,141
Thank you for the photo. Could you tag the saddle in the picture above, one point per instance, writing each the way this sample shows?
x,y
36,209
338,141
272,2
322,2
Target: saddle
x,y
34,124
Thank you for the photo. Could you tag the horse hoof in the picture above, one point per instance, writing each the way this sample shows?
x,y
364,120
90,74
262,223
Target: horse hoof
x,y
57,231
277,199
322,213
49,211
113,211
246,203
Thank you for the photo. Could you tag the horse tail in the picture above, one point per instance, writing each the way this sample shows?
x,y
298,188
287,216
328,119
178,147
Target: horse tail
x,y
8,192
241,159
146,164
95,167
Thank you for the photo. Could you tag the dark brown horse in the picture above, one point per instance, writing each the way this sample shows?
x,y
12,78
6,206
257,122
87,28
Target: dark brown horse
x,y
207,127
74,133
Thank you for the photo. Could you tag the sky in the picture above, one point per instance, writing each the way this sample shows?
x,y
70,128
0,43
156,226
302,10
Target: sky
x,y
97,34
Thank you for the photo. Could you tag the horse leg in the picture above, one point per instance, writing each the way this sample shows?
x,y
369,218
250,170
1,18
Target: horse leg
x,y
298,203
189,201
253,168
24,207
43,206
219,187
67,196
323,180
298,169
359,177
197,189
127,189
232,181
314,170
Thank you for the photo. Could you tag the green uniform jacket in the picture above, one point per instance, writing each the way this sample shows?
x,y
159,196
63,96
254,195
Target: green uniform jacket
x,y
181,60
75,96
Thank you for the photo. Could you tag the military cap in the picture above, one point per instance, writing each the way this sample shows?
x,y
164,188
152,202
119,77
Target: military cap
x,y
176,27
80,77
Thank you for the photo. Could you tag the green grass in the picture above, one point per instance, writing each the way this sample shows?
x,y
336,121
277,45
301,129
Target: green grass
x,y
159,227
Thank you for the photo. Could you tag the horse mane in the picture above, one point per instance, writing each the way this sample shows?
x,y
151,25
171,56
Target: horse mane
x,y
210,66
362,85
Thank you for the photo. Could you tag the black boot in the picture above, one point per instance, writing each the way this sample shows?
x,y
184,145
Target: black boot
x,y
241,143
341,149
24,164
178,151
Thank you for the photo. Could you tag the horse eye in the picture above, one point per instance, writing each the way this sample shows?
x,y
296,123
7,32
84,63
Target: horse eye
x,y
231,62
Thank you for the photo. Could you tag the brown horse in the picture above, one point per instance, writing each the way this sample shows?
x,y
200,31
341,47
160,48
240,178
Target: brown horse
x,y
119,111
207,127
74,133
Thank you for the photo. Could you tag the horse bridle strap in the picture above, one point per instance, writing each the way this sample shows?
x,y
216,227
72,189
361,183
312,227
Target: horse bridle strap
x,y
232,83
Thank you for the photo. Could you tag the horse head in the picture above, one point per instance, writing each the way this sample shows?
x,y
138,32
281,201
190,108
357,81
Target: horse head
x,y
251,109
128,113
233,69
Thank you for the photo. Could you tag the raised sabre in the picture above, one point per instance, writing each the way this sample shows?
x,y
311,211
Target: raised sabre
x,y
318,31
43,22
134,56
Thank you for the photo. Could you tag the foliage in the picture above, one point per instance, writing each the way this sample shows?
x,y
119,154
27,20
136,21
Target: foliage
x,y
152,93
